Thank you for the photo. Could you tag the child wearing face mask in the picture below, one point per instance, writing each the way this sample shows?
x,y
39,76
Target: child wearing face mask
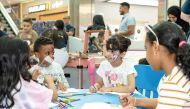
x,y
44,50
114,74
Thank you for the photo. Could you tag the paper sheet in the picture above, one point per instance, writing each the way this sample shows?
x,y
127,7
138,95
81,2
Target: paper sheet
x,y
99,105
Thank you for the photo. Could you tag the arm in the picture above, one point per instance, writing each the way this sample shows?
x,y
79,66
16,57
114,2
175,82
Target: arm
x,y
138,102
130,31
126,89
35,74
61,86
34,37
70,33
185,17
99,83
147,103
50,84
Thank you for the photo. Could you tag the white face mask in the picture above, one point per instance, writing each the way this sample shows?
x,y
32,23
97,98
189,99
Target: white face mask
x,y
115,56
46,62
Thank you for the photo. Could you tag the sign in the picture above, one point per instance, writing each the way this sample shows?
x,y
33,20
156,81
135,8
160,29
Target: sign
x,y
57,4
37,8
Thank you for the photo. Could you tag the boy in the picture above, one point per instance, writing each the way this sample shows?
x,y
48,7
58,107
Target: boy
x,y
44,50
27,34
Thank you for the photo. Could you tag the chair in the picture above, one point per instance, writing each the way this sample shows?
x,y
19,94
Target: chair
x,y
61,56
91,70
75,45
147,80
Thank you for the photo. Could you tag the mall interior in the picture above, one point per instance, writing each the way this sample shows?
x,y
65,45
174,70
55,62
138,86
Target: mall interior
x,y
80,60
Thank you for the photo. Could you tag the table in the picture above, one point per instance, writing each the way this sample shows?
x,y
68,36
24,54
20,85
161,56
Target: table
x,y
108,98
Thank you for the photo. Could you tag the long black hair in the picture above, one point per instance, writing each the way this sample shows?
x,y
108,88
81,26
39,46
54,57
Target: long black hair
x,y
14,63
118,42
98,20
170,36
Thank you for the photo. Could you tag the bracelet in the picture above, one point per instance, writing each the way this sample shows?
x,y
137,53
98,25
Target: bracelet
x,y
134,101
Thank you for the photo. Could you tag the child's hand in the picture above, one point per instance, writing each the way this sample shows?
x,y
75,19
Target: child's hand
x,y
92,89
35,74
126,101
48,79
60,86
106,89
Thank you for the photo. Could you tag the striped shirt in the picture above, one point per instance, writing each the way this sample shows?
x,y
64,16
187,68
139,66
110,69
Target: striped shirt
x,y
174,91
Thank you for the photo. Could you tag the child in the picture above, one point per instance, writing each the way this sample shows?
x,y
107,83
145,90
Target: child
x,y
27,34
93,45
44,50
166,49
18,91
113,73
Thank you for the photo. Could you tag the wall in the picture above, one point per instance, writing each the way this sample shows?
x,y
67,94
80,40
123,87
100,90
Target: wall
x,y
112,16
173,2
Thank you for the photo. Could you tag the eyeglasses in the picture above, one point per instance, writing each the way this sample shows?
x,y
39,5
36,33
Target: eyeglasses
x,y
150,29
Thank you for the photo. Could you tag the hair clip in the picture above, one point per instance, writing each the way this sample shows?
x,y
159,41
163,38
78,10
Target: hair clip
x,y
181,43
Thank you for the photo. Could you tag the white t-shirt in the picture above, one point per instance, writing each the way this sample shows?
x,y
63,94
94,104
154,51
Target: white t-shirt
x,y
54,70
114,76
174,91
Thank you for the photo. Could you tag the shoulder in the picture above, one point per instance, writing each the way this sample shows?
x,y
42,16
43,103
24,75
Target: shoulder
x,y
104,63
178,82
34,32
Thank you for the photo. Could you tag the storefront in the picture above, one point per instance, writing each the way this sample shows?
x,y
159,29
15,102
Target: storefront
x,y
45,10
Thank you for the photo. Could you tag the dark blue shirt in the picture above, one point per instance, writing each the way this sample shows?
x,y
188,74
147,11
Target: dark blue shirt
x,y
2,33
70,28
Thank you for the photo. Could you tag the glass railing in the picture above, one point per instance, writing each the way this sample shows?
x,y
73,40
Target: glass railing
x,y
11,19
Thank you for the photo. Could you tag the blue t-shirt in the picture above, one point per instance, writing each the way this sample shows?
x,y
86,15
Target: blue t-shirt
x,y
127,20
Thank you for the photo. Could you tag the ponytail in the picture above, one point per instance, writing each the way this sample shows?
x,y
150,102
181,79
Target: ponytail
x,y
183,59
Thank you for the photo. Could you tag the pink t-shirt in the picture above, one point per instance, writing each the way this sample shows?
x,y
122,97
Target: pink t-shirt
x,y
32,96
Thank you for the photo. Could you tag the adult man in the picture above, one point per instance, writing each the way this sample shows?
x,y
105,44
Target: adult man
x,y
70,30
127,25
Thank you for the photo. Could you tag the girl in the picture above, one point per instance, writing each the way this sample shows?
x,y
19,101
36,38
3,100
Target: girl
x,y
18,91
113,74
166,49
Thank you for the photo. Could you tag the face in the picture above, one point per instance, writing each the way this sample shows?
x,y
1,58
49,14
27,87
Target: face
x,y
172,18
45,50
114,56
152,55
66,21
123,10
27,27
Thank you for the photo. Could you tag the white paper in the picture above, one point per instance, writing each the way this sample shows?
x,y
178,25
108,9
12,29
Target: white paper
x,y
53,105
100,105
